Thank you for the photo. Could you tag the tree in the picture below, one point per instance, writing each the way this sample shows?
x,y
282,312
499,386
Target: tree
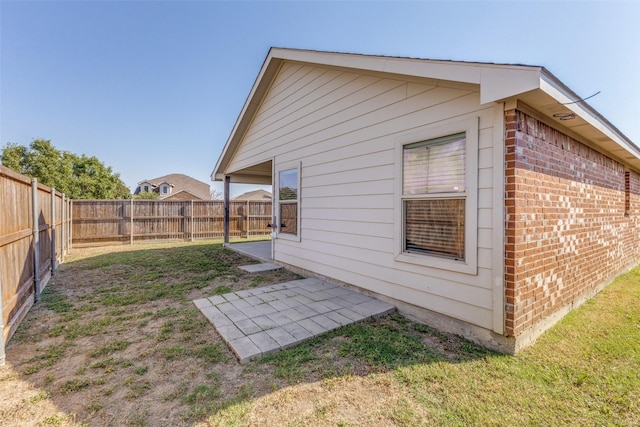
x,y
79,177
13,157
217,195
147,195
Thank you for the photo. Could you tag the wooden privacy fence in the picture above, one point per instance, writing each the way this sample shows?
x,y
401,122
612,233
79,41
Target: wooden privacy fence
x,y
34,237
96,222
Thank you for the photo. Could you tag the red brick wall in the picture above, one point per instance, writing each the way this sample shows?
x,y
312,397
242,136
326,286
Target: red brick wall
x,y
567,229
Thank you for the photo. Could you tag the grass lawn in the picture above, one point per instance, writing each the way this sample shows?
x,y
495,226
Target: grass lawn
x,y
117,341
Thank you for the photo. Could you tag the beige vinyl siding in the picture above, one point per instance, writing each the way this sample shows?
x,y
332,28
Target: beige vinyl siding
x,y
457,300
343,126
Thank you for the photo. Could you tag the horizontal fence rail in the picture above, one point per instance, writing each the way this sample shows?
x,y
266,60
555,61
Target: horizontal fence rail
x,y
34,238
96,222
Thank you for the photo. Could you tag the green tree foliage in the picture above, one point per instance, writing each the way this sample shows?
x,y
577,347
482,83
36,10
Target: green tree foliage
x,y
147,195
79,177
288,193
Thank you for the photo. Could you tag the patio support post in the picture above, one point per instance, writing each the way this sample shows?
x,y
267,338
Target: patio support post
x,y
227,181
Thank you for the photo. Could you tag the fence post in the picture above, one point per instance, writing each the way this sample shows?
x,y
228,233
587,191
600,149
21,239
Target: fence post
x,y
185,221
36,239
70,227
2,352
62,227
192,225
53,231
131,222
248,221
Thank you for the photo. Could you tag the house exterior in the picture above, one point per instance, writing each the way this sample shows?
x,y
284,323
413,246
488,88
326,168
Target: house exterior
x,y
254,196
175,186
486,200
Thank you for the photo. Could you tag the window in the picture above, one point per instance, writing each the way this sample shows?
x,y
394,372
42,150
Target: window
x,y
165,189
436,210
146,188
433,197
288,198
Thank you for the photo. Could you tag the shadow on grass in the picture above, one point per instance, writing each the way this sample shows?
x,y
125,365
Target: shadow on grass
x,y
390,347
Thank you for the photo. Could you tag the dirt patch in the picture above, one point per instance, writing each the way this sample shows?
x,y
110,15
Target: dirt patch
x,y
350,400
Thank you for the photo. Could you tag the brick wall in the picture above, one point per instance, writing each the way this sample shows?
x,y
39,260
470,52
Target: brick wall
x,y
572,220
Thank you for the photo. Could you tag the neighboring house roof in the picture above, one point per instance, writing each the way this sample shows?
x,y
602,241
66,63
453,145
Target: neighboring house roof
x,y
524,85
257,195
182,195
180,182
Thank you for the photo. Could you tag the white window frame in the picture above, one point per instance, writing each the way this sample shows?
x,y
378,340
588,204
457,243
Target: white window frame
x,y
282,168
470,264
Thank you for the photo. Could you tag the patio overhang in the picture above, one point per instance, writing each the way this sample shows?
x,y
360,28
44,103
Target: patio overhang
x,y
259,174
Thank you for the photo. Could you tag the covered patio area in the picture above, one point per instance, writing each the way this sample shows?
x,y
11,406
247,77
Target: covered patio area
x,y
259,174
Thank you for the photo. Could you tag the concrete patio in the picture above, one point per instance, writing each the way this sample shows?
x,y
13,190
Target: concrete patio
x,y
256,322
260,250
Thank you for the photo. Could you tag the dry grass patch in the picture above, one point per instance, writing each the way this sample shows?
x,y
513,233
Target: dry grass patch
x,y
117,341
116,333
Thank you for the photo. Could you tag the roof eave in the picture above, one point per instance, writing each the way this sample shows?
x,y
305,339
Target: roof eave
x,y
565,96
497,82
260,86
485,75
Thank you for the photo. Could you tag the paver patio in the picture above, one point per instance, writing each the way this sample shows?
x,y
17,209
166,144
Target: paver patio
x,y
256,322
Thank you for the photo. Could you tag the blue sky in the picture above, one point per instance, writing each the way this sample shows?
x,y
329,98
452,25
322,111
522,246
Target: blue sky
x,y
152,88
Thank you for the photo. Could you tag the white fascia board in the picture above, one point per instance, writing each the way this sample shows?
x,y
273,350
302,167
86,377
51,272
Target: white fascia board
x,y
439,70
564,95
432,69
498,83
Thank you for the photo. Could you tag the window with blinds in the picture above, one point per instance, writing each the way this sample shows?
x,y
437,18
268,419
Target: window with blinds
x,y
433,196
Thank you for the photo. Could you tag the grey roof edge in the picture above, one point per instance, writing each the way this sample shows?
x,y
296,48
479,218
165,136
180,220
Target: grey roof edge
x,y
410,58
